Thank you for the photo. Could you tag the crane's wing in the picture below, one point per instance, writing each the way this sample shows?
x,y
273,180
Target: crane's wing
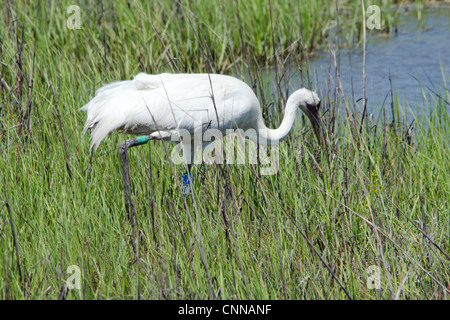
x,y
165,102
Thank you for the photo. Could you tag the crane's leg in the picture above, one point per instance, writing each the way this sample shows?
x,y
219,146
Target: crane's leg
x,y
124,146
187,178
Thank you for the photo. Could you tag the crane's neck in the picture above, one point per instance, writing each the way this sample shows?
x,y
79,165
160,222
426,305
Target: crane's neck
x,y
267,136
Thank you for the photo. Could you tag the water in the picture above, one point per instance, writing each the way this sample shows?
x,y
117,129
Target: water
x,y
420,50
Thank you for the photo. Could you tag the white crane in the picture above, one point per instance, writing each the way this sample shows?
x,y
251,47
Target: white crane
x,y
160,106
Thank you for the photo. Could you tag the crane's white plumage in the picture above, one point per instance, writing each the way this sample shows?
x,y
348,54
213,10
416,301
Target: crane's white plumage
x,y
161,104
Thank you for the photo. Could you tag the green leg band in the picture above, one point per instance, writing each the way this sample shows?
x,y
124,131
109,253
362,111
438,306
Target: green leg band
x,y
142,139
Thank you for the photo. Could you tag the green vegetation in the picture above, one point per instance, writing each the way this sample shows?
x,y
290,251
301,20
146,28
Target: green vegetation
x,y
308,232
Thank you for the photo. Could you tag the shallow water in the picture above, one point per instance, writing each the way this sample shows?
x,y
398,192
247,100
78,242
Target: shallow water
x,y
420,49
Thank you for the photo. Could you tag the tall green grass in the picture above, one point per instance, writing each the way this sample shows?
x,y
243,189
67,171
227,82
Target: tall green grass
x,y
308,232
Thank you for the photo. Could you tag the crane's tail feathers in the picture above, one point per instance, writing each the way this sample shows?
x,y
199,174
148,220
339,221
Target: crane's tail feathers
x,y
114,104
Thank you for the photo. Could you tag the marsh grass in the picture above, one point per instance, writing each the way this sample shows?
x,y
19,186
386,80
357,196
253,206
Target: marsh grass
x,y
380,197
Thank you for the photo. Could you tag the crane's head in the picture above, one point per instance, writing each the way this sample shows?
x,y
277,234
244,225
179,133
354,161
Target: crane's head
x,y
309,102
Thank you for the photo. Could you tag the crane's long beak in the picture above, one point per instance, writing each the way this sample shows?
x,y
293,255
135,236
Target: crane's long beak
x,y
317,126
313,115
